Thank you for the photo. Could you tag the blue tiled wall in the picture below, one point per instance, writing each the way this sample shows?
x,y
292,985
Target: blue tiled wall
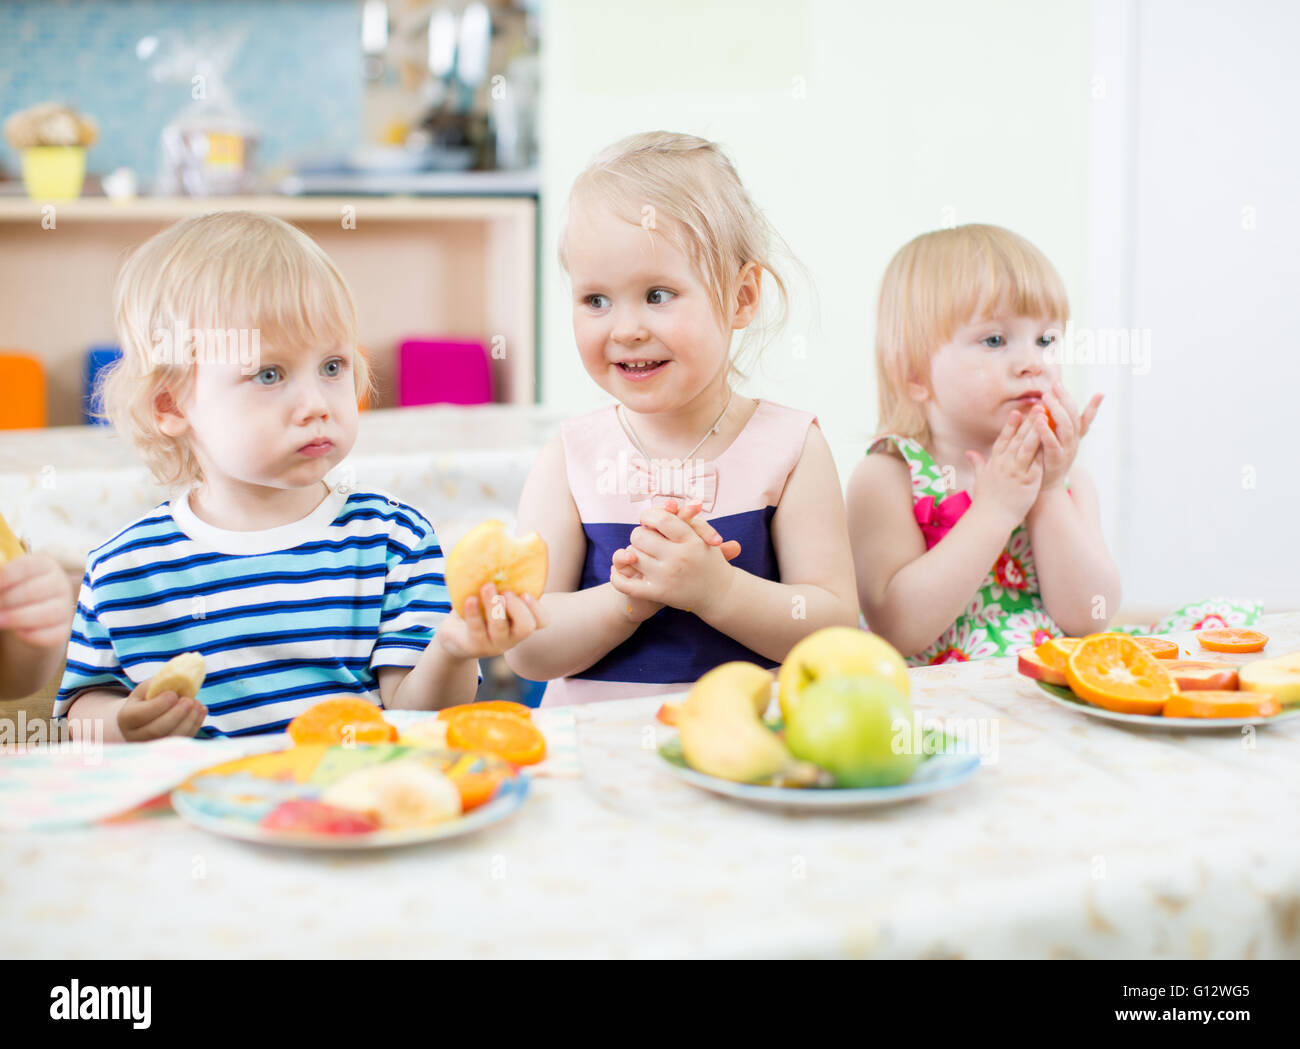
x,y
298,75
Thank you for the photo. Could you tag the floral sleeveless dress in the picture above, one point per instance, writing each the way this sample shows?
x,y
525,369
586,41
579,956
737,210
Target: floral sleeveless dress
x,y
1007,613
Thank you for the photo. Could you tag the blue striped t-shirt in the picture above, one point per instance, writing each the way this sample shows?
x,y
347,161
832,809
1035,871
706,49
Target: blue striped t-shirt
x,y
283,617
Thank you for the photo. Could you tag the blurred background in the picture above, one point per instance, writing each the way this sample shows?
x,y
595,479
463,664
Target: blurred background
x,y
1144,145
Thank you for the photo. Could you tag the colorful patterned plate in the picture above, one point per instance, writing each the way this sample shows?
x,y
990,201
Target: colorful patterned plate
x,y
1063,697
233,798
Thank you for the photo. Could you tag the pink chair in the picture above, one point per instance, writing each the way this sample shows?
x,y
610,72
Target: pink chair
x,y
443,371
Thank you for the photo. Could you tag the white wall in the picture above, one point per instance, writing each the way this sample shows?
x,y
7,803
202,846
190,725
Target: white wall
x,y
911,116
1195,227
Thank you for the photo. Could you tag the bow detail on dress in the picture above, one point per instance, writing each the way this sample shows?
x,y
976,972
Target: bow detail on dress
x,y
936,519
689,480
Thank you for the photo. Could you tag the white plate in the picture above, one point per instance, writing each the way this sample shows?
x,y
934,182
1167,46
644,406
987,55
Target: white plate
x,y
1063,697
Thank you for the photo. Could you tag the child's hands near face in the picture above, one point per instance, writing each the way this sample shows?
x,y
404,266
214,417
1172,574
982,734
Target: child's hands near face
x,y
1060,448
675,564
36,601
1011,478
167,714
492,624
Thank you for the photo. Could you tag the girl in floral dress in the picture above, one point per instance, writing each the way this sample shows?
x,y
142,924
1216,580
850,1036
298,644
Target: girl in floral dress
x,y
975,533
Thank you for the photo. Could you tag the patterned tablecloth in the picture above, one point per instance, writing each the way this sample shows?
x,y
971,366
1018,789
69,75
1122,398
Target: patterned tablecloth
x,y
68,489
1078,838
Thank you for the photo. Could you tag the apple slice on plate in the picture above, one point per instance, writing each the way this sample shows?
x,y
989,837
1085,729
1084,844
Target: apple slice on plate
x,y
1195,675
1031,664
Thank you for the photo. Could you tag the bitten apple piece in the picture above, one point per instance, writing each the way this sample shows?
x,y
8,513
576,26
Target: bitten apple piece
x,y
1278,677
488,555
10,547
183,675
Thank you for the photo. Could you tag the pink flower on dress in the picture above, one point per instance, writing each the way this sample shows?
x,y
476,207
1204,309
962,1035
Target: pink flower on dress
x,y
1014,570
960,642
950,655
1028,629
1209,622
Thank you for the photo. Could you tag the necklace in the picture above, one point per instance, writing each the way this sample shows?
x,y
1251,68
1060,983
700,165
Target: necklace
x,y
627,425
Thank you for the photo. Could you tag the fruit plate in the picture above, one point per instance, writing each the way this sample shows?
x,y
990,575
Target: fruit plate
x,y
231,799
1064,697
936,773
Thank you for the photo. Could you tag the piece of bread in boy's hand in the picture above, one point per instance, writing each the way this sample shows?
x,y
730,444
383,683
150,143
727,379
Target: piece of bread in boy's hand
x,y
183,675
488,555
10,547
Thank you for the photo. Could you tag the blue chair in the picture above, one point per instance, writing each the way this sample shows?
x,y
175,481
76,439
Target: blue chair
x,y
97,359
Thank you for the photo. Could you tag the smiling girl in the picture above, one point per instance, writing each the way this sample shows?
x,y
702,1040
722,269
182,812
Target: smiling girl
x,y
688,525
293,591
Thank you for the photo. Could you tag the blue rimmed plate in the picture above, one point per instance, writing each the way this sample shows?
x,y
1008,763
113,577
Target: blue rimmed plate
x,y
936,773
233,798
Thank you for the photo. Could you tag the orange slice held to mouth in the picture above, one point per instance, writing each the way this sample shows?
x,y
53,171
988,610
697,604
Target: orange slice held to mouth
x,y
1159,647
518,741
1232,639
1209,704
1114,672
345,720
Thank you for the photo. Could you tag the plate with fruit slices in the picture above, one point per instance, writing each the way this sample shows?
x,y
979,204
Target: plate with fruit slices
x,y
1140,682
366,796
846,737
353,779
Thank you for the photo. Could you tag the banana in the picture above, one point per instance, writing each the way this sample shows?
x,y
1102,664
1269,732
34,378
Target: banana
x,y
1280,677
720,727
399,794
183,675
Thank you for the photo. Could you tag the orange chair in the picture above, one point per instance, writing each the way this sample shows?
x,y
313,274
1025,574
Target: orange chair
x,y
22,391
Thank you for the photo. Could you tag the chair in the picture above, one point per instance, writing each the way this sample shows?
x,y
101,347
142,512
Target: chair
x,y
97,359
22,391
443,371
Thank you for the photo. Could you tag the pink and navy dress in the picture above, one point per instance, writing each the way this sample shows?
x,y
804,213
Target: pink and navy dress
x,y
612,485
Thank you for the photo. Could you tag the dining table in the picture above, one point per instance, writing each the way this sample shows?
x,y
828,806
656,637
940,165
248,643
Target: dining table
x,y
1076,837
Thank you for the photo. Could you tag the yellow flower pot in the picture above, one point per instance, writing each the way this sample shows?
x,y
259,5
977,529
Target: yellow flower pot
x,y
54,172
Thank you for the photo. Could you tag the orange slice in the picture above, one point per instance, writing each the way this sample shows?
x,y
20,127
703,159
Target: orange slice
x,y
477,788
518,741
1208,704
1232,639
1055,652
501,706
1158,647
345,720
1114,672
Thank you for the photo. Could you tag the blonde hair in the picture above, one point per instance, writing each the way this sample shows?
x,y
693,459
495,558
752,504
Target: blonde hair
x,y
936,284
219,271
711,219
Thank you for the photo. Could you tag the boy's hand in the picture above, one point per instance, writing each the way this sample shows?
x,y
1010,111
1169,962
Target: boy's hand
x,y
1060,448
1010,480
675,565
36,601
167,714
493,623
623,573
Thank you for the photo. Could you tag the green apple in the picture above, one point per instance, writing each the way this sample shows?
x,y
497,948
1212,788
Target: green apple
x,y
838,651
859,729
